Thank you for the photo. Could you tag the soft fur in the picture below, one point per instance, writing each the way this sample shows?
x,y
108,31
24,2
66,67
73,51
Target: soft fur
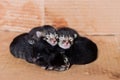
x,y
82,50
21,48
35,49
46,53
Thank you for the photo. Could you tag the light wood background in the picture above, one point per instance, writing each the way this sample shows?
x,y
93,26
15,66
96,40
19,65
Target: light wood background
x,y
90,16
97,19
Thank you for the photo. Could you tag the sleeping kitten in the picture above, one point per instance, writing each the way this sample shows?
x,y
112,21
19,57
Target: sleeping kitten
x,y
78,49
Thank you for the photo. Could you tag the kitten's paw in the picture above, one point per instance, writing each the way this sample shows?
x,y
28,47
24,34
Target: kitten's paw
x,y
49,68
30,60
67,63
61,68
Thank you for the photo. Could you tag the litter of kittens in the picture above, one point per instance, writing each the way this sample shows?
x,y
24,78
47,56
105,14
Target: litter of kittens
x,y
98,20
105,67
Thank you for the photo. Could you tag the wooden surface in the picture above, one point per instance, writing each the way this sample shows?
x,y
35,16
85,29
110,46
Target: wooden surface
x,y
107,65
97,19
90,16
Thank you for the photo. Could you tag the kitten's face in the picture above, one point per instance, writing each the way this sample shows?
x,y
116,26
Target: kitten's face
x,y
51,38
65,42
66,37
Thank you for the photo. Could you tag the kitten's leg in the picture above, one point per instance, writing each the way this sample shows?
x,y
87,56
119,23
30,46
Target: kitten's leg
x,y
64,67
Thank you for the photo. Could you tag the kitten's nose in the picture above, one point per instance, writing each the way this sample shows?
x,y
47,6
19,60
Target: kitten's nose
x,y
67,42
53,40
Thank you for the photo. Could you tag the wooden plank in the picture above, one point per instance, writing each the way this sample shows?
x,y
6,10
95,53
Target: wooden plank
x,y
20,14
107,65
90,16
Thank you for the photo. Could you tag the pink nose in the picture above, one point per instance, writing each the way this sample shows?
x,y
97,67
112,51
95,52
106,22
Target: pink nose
x,y
54,41
66,42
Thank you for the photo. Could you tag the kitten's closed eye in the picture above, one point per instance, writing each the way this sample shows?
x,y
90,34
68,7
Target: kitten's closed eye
x,y
65,42
51,39
71,39
31,42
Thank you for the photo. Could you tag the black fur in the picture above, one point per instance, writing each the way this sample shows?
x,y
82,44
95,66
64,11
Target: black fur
x,y
82,51
21,48
46,29
66,32
46,54
36,50
49,58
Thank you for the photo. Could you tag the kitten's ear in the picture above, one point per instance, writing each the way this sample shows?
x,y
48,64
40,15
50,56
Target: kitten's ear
x,y
38,34
75,35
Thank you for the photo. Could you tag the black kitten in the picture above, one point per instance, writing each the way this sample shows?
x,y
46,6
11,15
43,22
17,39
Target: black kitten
x,y
21,48
79,50
45,49
25,45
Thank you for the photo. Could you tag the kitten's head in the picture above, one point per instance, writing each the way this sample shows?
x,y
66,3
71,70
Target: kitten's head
x,y
66,37
48,33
